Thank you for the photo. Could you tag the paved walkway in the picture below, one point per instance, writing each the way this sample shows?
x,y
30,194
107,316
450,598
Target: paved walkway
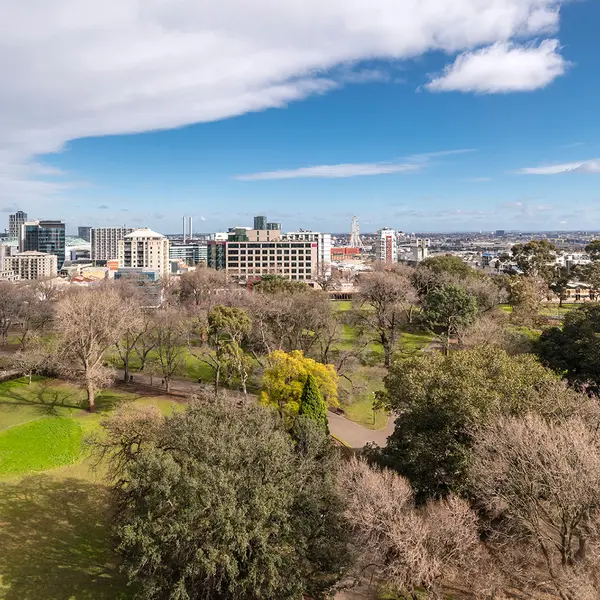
x,y
353,434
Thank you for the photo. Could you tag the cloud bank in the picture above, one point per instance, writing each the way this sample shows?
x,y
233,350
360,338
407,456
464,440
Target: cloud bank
x,y
585,166
79,68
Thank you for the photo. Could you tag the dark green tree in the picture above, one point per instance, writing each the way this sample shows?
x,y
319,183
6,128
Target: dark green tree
x,y
220,504
450,307
312,404
439,400
575,350
276,284
450,265
593,249
536,258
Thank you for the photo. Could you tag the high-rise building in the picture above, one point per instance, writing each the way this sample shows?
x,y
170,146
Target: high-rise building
x,y
44,236
32,265
274,226
105,242
260,223
14,224
386,246
146,249
84,233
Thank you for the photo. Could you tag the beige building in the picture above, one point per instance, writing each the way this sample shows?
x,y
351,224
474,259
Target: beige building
x,y
145,249
32,265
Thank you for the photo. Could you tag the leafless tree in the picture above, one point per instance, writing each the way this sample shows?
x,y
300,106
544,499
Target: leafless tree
x,y
492,329
169,335
540,483
12,303
88,322
384,303
408,547
202,287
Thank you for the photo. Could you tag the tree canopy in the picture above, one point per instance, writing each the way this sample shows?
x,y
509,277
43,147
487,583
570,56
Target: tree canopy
x,y
450,265
312,405
220,504
439,399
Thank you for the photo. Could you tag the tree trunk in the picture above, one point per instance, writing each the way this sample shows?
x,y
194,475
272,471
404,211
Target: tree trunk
x,y
126,368
29,378
91,396
167,384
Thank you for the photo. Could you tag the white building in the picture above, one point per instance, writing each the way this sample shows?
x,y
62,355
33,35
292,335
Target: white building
x,y
323,241
14,223
32,265
386,246
105,241
145,249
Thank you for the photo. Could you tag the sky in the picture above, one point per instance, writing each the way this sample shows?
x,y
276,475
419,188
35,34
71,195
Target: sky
x,y
420,115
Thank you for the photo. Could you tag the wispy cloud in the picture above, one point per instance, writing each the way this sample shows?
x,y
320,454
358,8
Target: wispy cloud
x,y
412,163
583,166
333,171
478,179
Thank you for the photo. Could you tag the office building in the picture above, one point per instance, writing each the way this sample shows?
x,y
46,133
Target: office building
x,y
323,243
84,233
386,246
260,222
14,224
274,226
144,249
105,242
32,265
190,254
216,254
44,236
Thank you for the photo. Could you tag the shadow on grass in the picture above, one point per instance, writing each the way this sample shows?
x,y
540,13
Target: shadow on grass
x,y
56,542
44,395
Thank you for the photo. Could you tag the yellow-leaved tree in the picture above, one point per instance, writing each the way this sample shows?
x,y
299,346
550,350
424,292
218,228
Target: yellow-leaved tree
x,y
286,375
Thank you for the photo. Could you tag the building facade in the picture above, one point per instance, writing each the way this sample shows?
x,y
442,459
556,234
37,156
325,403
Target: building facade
x,y
190,254
44,236
105,242
386,246
260,222
14,224
323,241
32,265
144,249
84,233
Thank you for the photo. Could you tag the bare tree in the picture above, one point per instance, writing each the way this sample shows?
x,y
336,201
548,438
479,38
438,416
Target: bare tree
x,y
169,339
408,547
384,303
12,303
202,286
540,483
88,323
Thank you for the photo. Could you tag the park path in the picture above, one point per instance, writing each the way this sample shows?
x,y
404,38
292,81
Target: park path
x,y
349,432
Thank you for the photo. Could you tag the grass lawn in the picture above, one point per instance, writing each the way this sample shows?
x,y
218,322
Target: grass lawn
x,y
41,444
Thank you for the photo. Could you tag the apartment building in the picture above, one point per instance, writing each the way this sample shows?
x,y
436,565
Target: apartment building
x,y
323,241
191,253
14,224
105,241
145,249
386,246
32,265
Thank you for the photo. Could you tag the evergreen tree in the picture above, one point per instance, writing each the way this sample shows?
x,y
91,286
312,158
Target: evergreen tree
x,y
312,404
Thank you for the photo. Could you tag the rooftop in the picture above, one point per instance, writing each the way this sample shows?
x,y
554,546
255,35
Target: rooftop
x,y
144,232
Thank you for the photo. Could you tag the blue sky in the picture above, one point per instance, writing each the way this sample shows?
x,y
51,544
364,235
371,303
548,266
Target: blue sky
x,y
428,115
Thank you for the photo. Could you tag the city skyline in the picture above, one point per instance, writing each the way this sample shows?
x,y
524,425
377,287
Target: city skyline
x,y
427,119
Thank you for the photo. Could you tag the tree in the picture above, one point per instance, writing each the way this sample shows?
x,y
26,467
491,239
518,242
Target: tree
x,y
35,312
284,380
449,265
169,336
385,299
220,504
451,308
540,484
536,258
439,399
12,303
88,322
405,546
558,284
276,284
201,286
526,295
574,350
227,332
312,404
593,249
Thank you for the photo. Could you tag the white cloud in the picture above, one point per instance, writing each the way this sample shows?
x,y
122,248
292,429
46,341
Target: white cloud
x,y
78,68
502,67
585,166
333,171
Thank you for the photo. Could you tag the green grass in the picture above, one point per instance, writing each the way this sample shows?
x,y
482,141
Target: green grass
x,y
38,445
362,412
